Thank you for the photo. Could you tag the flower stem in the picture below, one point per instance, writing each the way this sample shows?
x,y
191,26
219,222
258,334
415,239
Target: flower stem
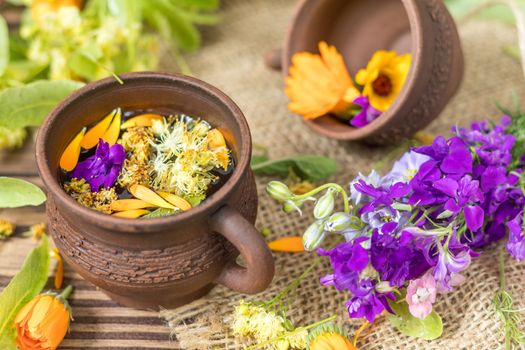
x,y
66,292
333,186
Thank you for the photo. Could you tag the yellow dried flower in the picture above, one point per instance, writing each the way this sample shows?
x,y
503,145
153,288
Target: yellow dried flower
x,y
101,201
183,163
6,229
136,169
255,321
37,230
12,138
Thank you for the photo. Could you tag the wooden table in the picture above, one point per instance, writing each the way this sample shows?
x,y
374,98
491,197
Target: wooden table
x,y
99,323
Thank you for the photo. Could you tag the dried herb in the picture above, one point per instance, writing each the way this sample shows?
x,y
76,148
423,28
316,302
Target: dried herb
x,y
309,167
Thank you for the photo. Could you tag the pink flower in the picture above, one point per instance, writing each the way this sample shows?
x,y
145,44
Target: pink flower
x,y
421,293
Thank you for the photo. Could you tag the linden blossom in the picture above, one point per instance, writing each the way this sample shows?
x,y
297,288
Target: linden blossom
x,y
320,84
167,163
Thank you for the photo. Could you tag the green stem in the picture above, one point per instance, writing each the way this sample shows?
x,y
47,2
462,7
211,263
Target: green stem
x,y
306,328
334,186
66,292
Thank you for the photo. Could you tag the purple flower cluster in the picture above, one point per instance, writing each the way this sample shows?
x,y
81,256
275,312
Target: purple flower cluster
x,y
421,224
102,168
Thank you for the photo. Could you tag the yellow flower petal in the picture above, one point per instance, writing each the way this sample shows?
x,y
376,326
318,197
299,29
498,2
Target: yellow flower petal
x,y
141,120
177,201
215,139
147,195
91,138
129,204
69,159
59,273
131,214
112,133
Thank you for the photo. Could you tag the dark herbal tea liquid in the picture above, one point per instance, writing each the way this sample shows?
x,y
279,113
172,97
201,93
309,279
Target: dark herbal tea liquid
x,y
221,174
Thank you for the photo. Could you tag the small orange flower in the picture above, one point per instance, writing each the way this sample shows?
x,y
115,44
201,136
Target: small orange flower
x,y
329,338
43,322
319,84
39,7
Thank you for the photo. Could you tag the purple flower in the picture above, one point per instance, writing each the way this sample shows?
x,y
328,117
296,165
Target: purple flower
x,y
446,272
367,114
103,168
347,260
406,167
516,242
370,304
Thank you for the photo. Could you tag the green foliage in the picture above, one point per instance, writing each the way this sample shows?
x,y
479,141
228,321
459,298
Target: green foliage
x,y
501,13
4,45
24,286
428,329
157,213
16,193
307,167
29,104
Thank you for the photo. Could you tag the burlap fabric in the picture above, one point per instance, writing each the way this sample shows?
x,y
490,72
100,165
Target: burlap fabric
x,y
233,60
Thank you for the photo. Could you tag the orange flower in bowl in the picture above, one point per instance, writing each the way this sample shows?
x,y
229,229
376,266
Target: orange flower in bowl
x,y
43,322
319,84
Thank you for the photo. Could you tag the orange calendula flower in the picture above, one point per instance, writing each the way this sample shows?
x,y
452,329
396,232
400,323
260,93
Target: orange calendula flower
x,y
384,77
319,84
40,7
43,322
329,338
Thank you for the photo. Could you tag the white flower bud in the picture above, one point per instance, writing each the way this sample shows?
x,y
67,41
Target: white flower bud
x,y
338,222
314,235
324,206
279,191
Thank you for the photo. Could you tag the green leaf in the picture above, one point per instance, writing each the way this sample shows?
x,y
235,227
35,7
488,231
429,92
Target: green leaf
x,y
513,52
201,4
308,167
4,45
157,213
428,329
499,12
16,193
24,286
28,105
83,66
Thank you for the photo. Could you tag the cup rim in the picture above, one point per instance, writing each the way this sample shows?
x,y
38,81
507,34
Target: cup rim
x,y
416,68
210,204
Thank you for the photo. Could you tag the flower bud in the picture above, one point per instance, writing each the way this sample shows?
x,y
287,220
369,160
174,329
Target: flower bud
x,y
324,206
279,191
12,138
338,222
43,322
289,206
313,236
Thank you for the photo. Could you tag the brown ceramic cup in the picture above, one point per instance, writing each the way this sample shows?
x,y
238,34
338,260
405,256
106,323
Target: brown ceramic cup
x,y
166,261
359,28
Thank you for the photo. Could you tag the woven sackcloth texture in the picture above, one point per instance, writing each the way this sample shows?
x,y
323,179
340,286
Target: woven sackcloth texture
x,y
233,61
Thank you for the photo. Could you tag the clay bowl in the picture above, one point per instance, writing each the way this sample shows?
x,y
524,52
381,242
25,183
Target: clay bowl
x,y
167,261
359,28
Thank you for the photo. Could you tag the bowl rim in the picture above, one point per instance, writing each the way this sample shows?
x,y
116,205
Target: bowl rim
x,y
416,67
207,207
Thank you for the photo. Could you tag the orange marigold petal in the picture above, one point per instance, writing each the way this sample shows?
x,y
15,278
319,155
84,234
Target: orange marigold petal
x,y
141,120
129,204
91,138
177,201
131,214
292,244
147,195
215,139
59,273
69,159
112,133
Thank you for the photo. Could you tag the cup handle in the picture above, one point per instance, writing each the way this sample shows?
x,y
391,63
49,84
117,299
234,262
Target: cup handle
x,y
259,270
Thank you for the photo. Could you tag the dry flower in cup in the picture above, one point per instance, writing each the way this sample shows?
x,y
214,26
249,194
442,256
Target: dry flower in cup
x,y
320,84
135,164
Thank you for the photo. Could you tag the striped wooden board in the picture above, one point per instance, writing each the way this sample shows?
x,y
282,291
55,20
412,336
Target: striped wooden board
x,y
99,323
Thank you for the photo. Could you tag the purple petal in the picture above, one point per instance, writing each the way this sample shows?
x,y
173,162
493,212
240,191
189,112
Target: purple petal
x,y
474,217
447,186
